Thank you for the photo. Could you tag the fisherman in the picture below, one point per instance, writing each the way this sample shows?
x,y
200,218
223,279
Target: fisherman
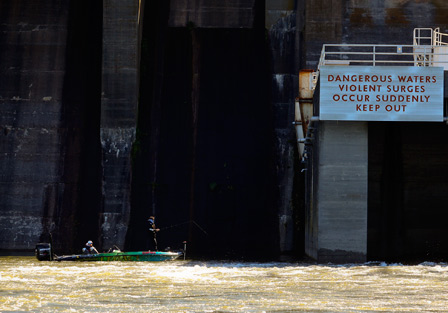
x,y
89,248
153,229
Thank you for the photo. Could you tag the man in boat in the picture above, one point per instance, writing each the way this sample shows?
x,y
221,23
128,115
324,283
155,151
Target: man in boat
x,y
153,229
89,248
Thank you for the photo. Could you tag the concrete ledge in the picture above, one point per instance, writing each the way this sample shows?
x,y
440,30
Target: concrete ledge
x,y
340,256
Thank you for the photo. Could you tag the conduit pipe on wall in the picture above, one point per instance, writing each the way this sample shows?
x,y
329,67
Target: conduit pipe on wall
x,y
304,112
310,129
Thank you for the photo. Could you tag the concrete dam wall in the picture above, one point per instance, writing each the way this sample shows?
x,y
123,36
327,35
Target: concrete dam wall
x,y
50,64
117,110
373,188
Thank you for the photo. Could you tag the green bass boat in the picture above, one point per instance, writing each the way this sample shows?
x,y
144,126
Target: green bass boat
x,y
44,252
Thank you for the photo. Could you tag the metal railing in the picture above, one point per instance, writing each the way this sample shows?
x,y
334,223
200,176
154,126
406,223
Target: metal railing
x,y
424,36
429,48
425,51
440,39
381,55
429,36
375,55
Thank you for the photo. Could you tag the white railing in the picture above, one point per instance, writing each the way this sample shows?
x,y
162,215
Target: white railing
x,y
440,39
375,55
429,48
424,36
429,36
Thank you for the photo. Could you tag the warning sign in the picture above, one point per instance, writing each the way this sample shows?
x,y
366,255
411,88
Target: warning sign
x,y
381,93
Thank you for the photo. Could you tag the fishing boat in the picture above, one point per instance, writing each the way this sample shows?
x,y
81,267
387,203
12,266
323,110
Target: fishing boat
x,y
43,252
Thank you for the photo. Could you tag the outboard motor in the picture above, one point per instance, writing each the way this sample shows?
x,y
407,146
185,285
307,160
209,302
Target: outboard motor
x,y
43,252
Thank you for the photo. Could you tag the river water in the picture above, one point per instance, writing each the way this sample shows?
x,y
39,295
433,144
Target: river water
x,y
27,285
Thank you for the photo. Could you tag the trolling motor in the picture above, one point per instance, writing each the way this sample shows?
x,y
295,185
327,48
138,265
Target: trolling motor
x,y
43,252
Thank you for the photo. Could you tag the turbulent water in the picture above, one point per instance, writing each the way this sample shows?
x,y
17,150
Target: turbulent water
x,y
27,285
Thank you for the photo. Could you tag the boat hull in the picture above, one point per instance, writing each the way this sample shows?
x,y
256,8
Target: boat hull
x,y
146,256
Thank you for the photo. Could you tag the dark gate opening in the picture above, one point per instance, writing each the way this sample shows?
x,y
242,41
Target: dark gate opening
x,y
408,188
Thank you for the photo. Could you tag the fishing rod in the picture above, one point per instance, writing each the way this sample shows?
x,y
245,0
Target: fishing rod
x,y
176,225
183,223
199,227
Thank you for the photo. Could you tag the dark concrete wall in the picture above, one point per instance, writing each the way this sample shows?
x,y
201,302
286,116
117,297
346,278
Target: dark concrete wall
x,y
370,22
204,159
281,22
49,85
77,216
213,14
32,67
76,163
119,95
408,191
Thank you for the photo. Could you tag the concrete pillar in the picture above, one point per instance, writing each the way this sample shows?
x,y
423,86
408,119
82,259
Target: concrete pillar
x,y
120,78
33,41
281,23
342,174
